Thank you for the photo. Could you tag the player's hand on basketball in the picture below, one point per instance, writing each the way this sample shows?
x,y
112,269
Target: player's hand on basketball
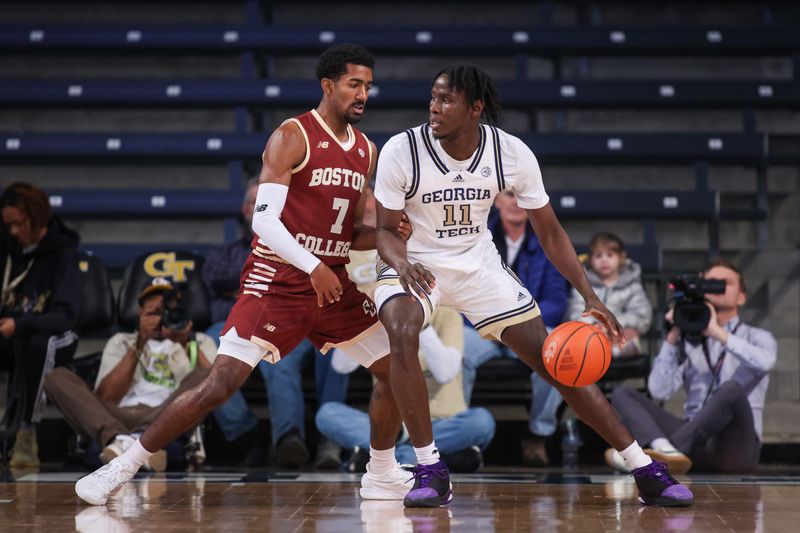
x,y
326,284
405,229
600,312
416,278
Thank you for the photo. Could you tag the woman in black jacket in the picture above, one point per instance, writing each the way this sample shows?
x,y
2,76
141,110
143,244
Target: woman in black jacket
x,y
38,306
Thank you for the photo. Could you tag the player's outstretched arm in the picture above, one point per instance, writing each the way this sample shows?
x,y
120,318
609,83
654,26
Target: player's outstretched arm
x,y
561,253
285,150
392,249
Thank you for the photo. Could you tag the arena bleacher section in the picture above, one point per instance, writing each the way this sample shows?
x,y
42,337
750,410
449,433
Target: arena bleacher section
x,y
682,211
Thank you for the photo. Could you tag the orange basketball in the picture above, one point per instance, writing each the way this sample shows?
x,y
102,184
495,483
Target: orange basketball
x,y
577,354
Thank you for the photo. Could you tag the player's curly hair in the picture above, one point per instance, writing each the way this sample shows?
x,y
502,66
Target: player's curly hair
x,y
476,85
333,61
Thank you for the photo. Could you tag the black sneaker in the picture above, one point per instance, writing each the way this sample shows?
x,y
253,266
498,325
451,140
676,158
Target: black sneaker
x,y
327,455
464,461
358,460
291,451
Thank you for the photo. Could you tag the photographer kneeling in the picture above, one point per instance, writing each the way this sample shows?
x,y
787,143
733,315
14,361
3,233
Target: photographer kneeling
x,y
724,368
139,372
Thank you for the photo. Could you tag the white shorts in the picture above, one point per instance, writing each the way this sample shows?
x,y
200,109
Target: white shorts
x,y
491,297
366,348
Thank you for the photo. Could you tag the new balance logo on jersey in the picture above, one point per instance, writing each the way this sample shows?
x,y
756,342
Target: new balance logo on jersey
x,y
269,327
458,179
520,297
322,144
261,207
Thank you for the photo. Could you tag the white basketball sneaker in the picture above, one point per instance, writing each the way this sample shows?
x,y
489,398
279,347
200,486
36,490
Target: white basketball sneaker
x,y
104,482
393,485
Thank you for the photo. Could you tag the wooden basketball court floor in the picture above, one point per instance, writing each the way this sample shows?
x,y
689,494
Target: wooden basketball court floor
x,y
267,501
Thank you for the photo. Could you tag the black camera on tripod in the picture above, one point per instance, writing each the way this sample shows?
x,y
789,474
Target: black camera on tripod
x,y
691,314
175,315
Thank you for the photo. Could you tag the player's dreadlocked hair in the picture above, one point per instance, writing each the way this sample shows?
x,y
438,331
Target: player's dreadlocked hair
x,y
333,61
476,85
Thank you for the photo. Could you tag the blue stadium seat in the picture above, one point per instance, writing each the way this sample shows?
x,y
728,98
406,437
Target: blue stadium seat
x,y
124,203
636,204
735,41
394,93
623,148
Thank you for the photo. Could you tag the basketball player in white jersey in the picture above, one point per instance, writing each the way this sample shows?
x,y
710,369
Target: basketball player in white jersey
x,y
445,174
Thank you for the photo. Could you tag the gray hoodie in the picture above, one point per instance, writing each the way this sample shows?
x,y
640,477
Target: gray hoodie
x,y
625,298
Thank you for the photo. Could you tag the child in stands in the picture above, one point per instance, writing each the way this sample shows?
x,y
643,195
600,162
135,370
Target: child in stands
x,y
617,281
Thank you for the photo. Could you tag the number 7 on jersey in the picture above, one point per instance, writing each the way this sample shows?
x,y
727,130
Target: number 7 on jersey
x,y
341,205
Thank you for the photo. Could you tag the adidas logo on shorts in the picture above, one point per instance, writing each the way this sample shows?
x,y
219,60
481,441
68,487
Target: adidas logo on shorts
x,y
520,297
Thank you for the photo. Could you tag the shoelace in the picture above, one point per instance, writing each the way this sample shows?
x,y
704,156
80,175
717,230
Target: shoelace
x,y
425,474
110,474
659,471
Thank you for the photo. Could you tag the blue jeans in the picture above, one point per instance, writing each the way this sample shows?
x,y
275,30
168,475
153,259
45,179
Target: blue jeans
x,y
285,390
349,428
545,400
283,383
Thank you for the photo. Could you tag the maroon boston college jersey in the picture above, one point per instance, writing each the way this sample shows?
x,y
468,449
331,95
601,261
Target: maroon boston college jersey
x,y
325,188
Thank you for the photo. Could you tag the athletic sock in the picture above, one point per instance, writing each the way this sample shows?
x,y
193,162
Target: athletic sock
x,y
427,455
381,461
663,445
635,457
136,455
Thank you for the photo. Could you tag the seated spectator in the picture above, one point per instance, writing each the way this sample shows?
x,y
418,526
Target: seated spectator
x,y
223,266
616,279
283,381
461,433
139,373
520,249
725,377
38,307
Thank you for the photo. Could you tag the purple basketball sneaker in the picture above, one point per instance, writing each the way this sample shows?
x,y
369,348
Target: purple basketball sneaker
x,y
432,487
657,487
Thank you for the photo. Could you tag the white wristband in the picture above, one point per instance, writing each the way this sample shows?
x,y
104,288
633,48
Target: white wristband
x,y
267,225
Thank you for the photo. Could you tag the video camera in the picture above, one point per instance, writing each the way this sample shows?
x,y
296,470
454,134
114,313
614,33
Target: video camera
x,y
691,313
175,316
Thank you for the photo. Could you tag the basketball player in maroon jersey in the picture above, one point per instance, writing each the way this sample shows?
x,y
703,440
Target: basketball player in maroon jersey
x,y
294,284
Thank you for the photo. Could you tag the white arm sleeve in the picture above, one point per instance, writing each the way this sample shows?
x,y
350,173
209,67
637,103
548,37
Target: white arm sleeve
x,y
267,225
443,361
341,362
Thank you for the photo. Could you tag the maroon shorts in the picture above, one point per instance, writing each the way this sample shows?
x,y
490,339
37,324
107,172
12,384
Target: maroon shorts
x,y
277,308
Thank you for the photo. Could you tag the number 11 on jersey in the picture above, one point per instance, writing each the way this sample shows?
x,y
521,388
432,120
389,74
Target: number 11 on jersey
x,y
450,212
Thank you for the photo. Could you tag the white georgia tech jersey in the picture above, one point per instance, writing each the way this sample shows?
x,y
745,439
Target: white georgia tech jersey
x,y
448,201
